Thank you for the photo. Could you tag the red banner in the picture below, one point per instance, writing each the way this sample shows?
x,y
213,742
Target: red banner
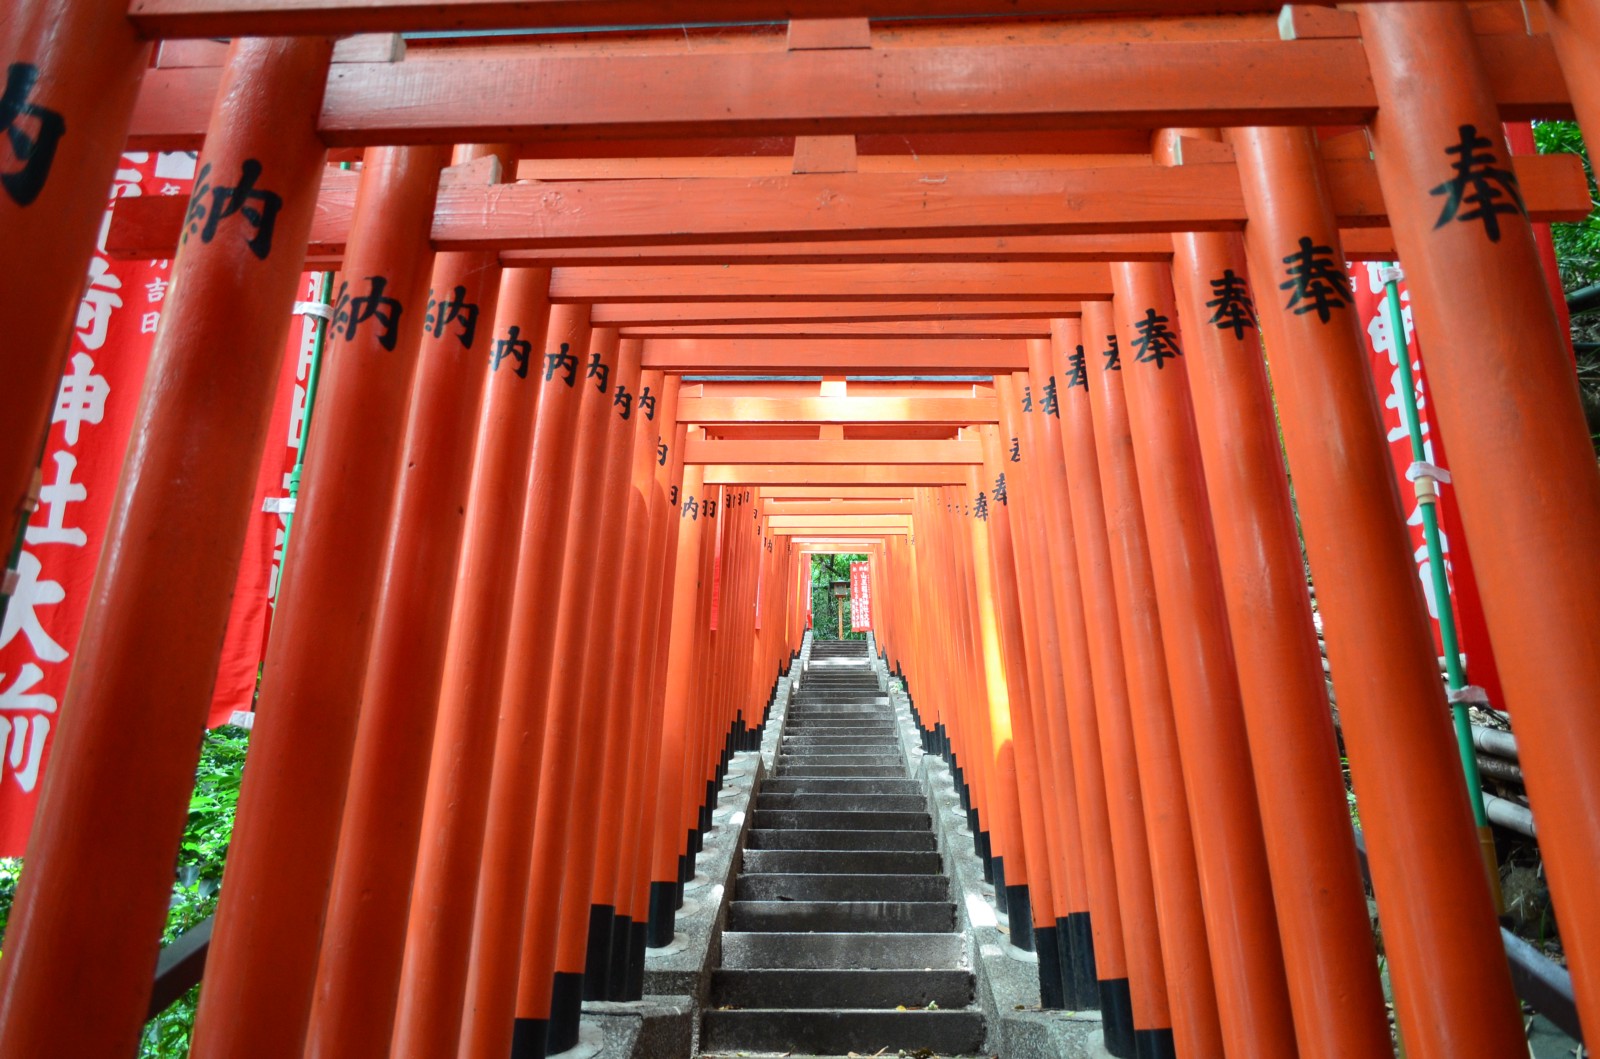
x,y
1372,305
96,405
860,597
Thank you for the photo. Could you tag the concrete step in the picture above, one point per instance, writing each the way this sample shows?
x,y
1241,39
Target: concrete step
x,y
841,819
920,917
825,771
840,730
790,887
810,759
791,838
846,786
843,862
839,1032
837,988
856,950
827,737
900,803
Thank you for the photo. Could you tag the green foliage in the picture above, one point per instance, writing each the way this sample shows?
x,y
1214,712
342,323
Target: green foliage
x,y
198,875
1577,245
826,569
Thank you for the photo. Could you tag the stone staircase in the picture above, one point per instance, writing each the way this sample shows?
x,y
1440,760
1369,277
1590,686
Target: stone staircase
x,y
841,936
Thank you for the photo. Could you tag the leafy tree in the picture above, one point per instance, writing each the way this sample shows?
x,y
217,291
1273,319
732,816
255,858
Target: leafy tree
x,y
826,569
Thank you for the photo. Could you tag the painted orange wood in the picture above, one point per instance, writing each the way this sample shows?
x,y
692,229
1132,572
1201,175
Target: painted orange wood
x,y
823,356
867,329
833,475
866,453
645,283
957,410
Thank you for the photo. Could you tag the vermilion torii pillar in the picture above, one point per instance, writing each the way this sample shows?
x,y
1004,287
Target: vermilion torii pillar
x,y
444,892
100,859
1503,392
70,71
263,959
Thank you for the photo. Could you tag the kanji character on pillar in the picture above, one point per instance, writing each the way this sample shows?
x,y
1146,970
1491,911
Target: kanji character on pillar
x,y
33,132
21,613
81,398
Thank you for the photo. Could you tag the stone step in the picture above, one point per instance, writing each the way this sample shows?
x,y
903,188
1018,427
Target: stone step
x,y
825,771
841,786
841,819
900,803
839,1032
855,950
791,838
841,729
843,862
827,737
835,988
921,917
788,887
813,759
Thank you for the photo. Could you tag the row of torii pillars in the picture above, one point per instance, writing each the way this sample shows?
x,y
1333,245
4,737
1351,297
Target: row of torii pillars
x,y
1149,509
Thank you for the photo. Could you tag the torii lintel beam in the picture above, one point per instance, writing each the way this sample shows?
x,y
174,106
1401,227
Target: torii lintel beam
x,y
870,454
842,91
1070,209
958,411
834,356
835,475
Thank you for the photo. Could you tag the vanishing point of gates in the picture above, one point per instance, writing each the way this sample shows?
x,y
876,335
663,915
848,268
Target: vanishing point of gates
x,y
1117,341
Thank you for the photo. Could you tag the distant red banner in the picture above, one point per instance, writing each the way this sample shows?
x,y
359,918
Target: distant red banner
x,y
1372,306
860,597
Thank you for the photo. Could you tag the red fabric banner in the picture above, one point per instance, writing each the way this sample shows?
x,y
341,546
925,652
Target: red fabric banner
x,y
860,597
1472,632
96,405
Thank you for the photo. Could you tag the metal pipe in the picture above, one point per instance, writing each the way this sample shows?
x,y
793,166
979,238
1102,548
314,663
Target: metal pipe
x,y
1509,814
1493,741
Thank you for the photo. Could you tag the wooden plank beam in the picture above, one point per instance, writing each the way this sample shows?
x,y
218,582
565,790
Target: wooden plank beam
x,y
824,356
843,493
958,411
835,476
1028,328
1058,216
231,18
771,506
866,90
835,523
862,453
663,313
679,283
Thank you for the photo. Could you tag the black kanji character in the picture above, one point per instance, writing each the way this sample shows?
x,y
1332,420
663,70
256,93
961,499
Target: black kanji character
x,y
562,361
1232,304
1027,398
441,312
1076,375
661,453
709,506
516,347
691,508
350,313
1156,343
1000,496
672,495
980,507
1113,355
601,373
1016,449
625,399
1316,279
1489,189
34,150
647,404
211,204
1048,403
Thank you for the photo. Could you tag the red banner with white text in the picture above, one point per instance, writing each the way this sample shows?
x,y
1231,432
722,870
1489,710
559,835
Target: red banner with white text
x,y
860,597
95,409
1372,307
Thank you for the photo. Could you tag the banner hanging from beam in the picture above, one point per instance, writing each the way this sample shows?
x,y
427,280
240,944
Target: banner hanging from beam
x,y
860,597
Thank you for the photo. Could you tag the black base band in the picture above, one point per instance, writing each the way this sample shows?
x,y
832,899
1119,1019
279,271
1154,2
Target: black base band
x,y
1116,1016
617,958
663,915
566,1012
636,947
528,1037
597,952
1154,1044
1051,995
1020,909
1080,981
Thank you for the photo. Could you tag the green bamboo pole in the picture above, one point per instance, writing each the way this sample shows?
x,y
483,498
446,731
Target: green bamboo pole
x,y
1427,501
319,340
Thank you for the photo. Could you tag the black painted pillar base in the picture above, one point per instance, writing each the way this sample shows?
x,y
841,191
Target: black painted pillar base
x,y
566,1012
663,919
637,943
1020,908
597,953
1051,995
1116,1017
617,959
1001,897
1076,936
1154,1044
981,840
528,1038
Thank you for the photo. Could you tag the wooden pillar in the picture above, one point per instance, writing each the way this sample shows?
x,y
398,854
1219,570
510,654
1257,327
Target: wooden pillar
x,y
1503,395
1097,424
445,891
1438,918
116,794
358,974
264,950
1316,881
71,70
